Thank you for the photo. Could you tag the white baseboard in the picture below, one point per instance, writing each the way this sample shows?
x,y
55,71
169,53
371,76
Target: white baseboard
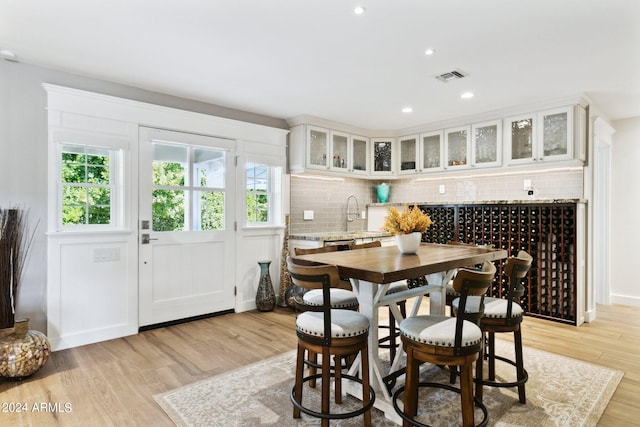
x,y
632,301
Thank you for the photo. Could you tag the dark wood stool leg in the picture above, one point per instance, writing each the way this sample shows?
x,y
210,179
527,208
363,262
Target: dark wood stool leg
x,y
338,379
466,392
366,387
492,356
326,385
392,336
411,387
479,368
519,364
297,391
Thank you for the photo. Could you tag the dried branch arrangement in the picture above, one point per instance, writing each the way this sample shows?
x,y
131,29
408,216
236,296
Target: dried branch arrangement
x,y
15,241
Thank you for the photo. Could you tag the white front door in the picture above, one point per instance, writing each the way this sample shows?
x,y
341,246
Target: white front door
x,y
186,225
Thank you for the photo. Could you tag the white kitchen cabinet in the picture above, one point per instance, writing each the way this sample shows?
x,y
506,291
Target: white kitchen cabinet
x,y
432,145
409,155
382,156
339,151
359,155
541,136
486,144
457,146
421,153
317,148
313,148
349,153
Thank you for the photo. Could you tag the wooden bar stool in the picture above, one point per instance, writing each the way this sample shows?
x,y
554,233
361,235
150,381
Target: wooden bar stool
x,y
340,297
329,332
448,341
505,315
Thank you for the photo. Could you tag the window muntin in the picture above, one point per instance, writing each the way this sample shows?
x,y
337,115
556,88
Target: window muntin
x,y
188,188
87,186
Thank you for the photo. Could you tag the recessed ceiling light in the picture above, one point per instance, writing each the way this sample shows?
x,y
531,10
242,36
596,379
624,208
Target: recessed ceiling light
x,y
359,10
407,110
429,51
467,95
7,54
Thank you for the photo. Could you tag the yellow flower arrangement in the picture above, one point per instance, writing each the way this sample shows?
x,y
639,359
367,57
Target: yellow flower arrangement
x,y
407,221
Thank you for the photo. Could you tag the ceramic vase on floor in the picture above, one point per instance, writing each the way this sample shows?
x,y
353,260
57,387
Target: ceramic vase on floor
x,y
23,352
265,296
408,243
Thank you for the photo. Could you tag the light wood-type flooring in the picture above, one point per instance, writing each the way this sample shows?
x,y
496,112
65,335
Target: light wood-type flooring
x,y
112,383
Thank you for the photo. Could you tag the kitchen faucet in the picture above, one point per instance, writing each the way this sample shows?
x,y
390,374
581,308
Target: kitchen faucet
x,y
356,214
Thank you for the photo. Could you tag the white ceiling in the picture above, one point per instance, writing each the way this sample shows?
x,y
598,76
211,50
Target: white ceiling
x,y
285,58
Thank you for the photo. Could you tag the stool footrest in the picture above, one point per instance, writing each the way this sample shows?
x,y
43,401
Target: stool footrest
x,y
504,384
335,416
413,422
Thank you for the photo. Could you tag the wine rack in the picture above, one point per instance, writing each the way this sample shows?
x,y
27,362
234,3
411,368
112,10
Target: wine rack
x,y
546,231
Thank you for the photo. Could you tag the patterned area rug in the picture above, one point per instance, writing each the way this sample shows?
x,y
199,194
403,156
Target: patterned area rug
x,y
560,392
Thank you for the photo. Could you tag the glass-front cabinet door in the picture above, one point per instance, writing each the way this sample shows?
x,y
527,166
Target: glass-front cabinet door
x,y
339,151
408,155
556,134
317,148
519,138
359,154
432,144
545,135
382,156
457,143
486,139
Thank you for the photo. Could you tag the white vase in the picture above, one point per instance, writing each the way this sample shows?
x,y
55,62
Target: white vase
x,y
408,243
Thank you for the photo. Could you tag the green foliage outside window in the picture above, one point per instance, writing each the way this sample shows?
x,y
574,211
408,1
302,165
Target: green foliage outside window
x,y
86,190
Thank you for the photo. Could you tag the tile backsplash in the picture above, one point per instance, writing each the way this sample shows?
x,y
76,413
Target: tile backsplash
x,y
327,196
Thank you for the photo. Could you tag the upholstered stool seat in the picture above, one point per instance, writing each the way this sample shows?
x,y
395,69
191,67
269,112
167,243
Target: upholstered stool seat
x,y
344,323
494,308
440,331
340,298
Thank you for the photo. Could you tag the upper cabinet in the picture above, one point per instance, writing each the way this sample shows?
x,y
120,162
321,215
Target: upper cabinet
x,y
432,146
359,155
319,149
550,135
541,136
457,144
382,155
409,154
420,153
486,144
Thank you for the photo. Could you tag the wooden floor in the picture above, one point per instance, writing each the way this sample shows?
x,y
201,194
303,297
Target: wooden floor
x,y
112,383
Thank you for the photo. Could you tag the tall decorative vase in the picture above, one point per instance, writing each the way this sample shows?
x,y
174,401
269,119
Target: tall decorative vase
x,y
265,296
23,352
285,278
408,243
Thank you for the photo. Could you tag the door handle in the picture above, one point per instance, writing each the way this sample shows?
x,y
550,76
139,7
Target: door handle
x,y
144,239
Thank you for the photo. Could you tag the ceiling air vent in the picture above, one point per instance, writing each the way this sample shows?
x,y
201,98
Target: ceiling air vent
x,y
451,75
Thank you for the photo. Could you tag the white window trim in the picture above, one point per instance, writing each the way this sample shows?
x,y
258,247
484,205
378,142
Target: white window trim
x,y
117,147
274,193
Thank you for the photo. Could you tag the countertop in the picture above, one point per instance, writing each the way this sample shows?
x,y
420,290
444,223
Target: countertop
x,y
339,235
481,202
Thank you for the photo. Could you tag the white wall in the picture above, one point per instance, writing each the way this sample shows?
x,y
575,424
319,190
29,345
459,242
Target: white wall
x,y
625,212
23,155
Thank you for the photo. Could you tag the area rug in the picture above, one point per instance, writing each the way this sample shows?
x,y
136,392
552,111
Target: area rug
x,y
560,392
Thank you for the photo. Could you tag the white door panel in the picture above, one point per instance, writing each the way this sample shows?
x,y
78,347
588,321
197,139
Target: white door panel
x,y
187,185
